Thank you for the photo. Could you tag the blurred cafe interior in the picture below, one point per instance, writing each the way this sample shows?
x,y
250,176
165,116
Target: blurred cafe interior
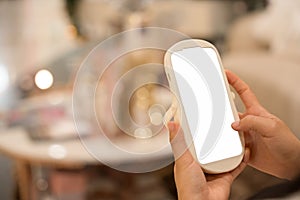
x,y
78,120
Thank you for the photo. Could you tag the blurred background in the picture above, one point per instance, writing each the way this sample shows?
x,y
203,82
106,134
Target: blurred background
x,y
43,43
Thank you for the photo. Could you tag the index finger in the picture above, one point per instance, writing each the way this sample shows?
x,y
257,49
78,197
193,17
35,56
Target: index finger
x,y
243,90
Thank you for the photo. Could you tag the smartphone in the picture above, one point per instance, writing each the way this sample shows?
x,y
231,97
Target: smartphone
x,y
197,79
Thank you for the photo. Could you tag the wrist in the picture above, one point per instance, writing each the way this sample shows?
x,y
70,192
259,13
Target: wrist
x,y
191,196
294,162
193,193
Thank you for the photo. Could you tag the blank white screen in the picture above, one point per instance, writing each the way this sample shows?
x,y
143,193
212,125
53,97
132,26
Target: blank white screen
x,y
228,145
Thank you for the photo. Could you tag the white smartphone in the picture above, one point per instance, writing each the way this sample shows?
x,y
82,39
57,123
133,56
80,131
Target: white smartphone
x,y
197,78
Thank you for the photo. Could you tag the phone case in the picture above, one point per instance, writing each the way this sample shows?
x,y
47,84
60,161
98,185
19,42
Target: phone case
x,y
221,166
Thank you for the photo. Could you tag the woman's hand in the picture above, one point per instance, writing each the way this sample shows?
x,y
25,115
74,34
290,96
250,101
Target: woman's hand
x,y
190,180
274,149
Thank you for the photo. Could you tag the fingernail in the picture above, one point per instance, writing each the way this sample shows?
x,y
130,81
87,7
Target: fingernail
x,y
171,126
235,124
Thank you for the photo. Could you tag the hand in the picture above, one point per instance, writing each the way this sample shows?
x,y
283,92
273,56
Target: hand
x,y
274,149
190,180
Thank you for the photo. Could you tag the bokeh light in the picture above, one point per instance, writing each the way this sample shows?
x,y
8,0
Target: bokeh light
x,y
43,79
4,78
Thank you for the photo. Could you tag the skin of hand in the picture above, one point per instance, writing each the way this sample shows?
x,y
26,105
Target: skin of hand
x,y
274,149
191,182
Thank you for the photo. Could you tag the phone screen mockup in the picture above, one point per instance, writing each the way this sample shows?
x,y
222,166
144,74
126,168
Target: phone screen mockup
x,y
206,104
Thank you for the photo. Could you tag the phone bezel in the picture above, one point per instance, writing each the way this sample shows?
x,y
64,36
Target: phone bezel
x,y
220,166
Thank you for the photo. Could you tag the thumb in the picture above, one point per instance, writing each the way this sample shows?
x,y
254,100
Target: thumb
x,y
182,155
258,124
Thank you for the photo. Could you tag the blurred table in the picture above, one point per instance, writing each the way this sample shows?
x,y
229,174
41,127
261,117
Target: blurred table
x,y
64,154
26,152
